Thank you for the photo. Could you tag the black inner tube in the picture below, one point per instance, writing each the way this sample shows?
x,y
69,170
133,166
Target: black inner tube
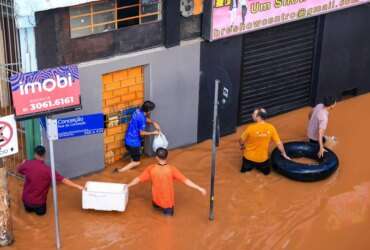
x,y
325,167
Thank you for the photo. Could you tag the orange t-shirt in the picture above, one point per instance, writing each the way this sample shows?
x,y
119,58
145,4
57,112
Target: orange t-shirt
x,y
162,183
257,138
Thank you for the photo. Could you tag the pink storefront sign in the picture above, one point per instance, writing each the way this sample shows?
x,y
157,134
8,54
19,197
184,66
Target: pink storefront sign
x,y
234,17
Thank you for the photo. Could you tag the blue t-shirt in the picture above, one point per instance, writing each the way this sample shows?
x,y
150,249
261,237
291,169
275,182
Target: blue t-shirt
x,y
136,124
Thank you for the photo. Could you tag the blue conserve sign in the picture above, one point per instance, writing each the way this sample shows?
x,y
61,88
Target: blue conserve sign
x,y
80,126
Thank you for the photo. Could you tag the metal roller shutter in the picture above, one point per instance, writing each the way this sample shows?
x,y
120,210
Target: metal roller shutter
x,y
277,68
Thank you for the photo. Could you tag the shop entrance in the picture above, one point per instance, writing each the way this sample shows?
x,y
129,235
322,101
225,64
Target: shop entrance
x,y
277,68
123,92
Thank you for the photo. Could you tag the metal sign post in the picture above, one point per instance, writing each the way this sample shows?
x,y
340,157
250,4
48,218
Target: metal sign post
x,y
52,135
64,128
214,146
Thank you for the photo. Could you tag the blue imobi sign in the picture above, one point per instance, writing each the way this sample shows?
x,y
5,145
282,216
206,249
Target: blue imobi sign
x,y
80,126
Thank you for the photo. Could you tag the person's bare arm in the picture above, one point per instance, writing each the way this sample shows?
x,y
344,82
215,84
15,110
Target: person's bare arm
x,y
281,148
279,144
134,182
155,124
72,184
145,133
321,143
20,168
191,184
243,139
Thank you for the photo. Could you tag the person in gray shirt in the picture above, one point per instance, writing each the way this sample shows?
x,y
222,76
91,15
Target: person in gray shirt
x,y
319,118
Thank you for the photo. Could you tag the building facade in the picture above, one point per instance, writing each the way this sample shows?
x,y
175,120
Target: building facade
x,y
132,50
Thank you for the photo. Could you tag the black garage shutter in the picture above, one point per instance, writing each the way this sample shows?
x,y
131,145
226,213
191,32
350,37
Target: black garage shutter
x,y
277,68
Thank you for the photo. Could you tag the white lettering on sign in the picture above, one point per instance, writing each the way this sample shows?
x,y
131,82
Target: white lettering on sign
x,y
48,85
77,120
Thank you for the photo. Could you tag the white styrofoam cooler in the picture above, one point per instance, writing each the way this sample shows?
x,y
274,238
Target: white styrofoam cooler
x,y
105,196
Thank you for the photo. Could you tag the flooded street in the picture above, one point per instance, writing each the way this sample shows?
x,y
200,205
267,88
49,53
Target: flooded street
x,y
253,211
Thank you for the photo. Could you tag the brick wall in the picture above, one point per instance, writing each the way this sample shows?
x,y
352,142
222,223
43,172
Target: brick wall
x,y
121,89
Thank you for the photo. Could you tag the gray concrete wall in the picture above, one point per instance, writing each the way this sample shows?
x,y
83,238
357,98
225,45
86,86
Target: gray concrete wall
x,y
82,155
171,81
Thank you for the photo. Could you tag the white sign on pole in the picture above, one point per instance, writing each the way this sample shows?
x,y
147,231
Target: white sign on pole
x,y
8,136
52,129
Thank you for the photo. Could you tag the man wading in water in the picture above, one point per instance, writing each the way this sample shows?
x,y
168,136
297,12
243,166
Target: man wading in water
x,y
255,142
162,175
37,182
319,118
135,133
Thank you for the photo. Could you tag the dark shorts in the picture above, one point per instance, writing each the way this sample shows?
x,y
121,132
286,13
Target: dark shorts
x,y
166,211
264,167
134,152
37,209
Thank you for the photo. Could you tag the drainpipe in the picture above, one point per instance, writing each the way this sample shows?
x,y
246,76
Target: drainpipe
x,y
25,25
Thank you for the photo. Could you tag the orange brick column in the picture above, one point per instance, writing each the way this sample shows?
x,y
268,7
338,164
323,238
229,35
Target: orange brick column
x,y
121,90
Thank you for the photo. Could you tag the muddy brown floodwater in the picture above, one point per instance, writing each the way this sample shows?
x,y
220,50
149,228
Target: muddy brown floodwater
x,y
252,211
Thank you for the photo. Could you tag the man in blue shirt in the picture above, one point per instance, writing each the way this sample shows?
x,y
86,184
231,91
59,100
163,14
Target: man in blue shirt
x,y
135,133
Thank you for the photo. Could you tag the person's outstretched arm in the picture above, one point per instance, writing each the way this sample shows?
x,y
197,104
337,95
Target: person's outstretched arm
x,y
155,124
134,182
279,144
243,138
21,168
242,144
144,176
72,184
281,148
177,175
323,124
145,133
191,184
321,143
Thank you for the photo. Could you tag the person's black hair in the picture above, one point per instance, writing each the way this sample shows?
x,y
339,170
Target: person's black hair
x,y
162,153
40,150
147,106
261,112
329,101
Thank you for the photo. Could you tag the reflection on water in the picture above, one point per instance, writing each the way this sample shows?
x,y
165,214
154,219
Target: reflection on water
x,y
253,211
348,208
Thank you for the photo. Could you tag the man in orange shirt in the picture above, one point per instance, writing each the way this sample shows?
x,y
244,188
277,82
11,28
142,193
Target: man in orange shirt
x,y
162,175
255,142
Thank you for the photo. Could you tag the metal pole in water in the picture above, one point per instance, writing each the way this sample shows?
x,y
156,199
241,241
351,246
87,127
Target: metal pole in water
x,y
213,161
55,194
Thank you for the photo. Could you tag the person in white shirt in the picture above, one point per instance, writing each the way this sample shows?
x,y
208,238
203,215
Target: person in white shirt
x,y
243,4
234,4
319,118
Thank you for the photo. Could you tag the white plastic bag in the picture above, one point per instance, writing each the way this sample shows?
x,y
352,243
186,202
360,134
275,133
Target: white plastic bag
x,y
160,141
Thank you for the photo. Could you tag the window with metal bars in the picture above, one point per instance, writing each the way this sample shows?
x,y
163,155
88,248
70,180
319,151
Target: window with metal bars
x,y
10,63
106,15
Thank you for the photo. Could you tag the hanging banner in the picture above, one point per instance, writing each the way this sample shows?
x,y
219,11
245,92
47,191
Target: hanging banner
x,y
45,92
227,18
